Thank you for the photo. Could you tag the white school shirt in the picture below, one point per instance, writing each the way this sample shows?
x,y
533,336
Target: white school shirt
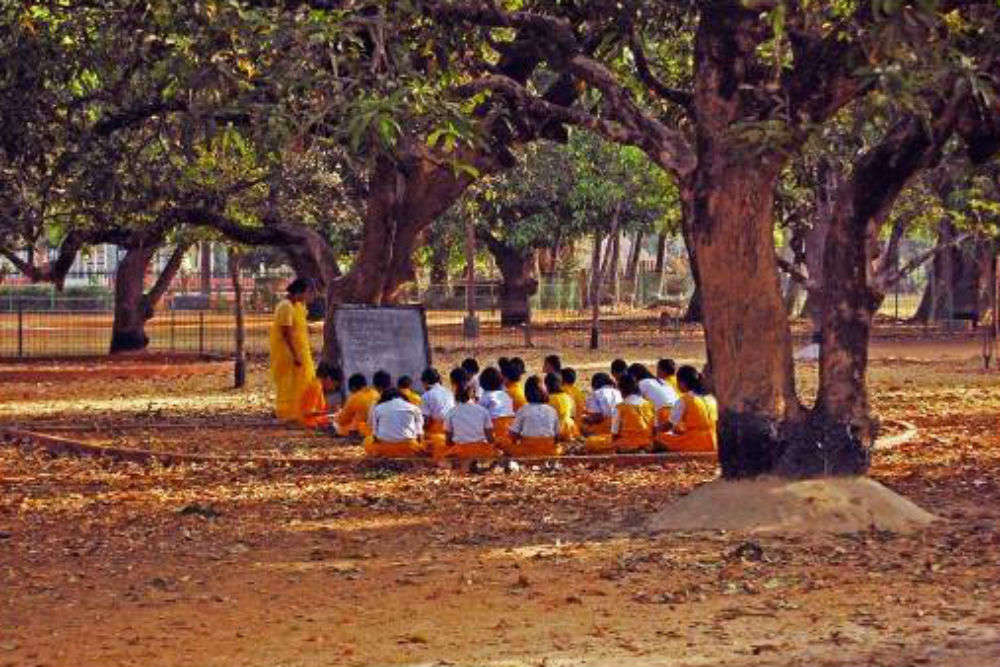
x,y
437,401
603,401
397,420
536,420
498,403
468,422
659,393
616,420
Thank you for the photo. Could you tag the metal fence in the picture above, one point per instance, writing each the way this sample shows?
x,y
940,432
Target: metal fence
x,y
37,327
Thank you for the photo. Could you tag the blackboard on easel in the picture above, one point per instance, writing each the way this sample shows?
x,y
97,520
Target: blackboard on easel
x,y
390,338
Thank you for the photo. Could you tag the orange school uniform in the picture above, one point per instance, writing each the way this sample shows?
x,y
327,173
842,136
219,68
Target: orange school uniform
x,y
635,430
565,408
697,430
579,401
516,392
313,406
353,417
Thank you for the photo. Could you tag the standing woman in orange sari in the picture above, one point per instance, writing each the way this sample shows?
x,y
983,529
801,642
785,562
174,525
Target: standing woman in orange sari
x,y
292,368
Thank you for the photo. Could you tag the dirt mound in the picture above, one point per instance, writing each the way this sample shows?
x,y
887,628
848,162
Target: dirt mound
x,y
842,504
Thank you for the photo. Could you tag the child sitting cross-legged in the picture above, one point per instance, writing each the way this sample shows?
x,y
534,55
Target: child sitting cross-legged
x,y
435,404
693,419
631,426
498,403
600,407
397,428
315,410
535,431
405,386
564,406
353,417
469,429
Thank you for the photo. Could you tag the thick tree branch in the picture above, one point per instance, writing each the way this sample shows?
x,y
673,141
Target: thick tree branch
x,y
795,274
682,98
893,277
168,273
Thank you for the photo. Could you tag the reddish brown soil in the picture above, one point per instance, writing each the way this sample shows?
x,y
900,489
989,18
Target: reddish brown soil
x,y
116,564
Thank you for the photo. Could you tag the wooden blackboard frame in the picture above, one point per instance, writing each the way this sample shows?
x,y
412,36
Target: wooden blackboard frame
x,y
362,306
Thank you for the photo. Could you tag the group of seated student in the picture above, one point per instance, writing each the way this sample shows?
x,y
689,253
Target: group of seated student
x,y
495,411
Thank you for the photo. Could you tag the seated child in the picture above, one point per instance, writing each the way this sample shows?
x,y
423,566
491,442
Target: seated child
x,y
661,394
512,374
353,417
405,386
397,427
618,369
600,408
632,425
498,403
579,398
564,406
469,429
693,419
666,371
471,368
314,405
535,431
435,404
552,364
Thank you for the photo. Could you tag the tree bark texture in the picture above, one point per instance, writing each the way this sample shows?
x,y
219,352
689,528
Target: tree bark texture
x,y
133,305
746,327
519,283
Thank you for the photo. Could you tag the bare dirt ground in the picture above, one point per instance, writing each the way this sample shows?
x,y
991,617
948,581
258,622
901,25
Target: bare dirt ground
x,y
106,563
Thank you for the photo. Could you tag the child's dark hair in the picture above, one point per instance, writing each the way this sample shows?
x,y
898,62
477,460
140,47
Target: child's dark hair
x,y
568,376
490,379
511,372
554,362
553,383
458,376
619,367
327,370
381,380
502,363
690,378
463,394
639,372
471,366
628,385
389,394
356,382
601,380
667,367
534,391
299,286
429,377
518,363
404,382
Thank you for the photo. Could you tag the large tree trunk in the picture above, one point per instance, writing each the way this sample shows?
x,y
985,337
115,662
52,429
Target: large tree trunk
x,y
853,284
133,306
405,197
598,280
128,332
661,256
519,284
729,224
954,286
693,313
206,268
